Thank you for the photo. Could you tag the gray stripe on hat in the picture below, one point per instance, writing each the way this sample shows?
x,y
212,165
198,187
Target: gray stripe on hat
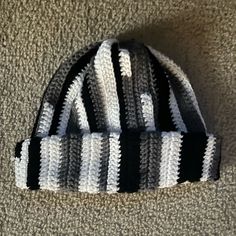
x,y
154,160
152,89
175,113
129,102
54,89
127,86
144,160
140,79
75,143
150,158
63,170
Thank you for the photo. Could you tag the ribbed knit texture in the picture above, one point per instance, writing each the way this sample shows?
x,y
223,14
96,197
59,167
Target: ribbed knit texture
x,y
117,117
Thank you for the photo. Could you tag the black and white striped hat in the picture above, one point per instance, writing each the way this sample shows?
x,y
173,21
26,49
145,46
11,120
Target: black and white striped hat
x,y
117,117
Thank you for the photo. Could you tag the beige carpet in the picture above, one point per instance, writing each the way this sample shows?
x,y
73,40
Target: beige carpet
x,y
35,37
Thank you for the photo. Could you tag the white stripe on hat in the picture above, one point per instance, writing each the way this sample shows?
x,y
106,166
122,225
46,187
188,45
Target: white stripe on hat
x,y
91,161
148,111
107,84
208,157
45,120
73,94
82,115
44,163
170,158
114,163
85,160
21,165
54,163
125,64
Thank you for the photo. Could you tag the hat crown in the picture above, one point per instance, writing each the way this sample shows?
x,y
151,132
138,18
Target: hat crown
x,y
118,86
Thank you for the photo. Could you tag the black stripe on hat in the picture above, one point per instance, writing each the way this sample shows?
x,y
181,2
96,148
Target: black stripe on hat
x,y
54,88
88,105
34,163
64,164
152,88
74,164
96,97
18,149
73,126
118,77
104,162
75,70
191,156
189,113
130,162
164,122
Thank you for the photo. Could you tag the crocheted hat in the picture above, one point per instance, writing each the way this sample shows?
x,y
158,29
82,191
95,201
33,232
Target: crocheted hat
x,y
117,117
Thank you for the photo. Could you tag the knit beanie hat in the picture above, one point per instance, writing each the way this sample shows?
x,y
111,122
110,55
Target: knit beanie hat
x,y
117,117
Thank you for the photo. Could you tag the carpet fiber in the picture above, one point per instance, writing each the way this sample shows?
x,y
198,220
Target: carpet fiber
x,y
36,36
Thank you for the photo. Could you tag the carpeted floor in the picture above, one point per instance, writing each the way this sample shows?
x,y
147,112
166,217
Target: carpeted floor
x,y
35,37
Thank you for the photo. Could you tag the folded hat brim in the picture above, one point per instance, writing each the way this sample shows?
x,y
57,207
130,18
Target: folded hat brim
x,y
116,162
